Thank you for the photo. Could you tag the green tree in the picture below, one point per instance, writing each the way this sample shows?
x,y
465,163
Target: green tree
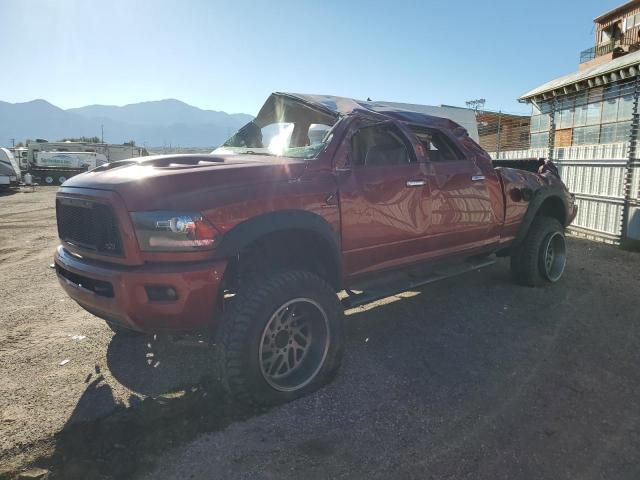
x,y
81,139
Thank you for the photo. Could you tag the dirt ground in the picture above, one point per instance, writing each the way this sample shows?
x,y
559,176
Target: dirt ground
x,y
469,378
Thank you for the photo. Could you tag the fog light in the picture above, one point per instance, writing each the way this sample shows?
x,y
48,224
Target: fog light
x,y
161,293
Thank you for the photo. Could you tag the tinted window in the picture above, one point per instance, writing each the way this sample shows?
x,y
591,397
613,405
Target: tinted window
x,y
379,145
436,145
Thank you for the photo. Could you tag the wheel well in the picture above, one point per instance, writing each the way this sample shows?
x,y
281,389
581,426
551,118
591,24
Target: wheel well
x,y
300,249
554,208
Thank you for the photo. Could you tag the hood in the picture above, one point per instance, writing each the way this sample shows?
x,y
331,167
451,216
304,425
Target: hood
x,y
186,181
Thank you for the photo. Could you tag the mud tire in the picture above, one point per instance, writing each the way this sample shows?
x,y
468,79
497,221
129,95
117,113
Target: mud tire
x,y
528,259
245,321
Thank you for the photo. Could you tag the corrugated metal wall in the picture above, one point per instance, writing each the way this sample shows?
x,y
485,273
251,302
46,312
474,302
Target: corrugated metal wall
x,y
596,175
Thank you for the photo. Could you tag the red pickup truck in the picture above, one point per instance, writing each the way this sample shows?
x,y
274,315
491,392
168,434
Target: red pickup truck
x,y
317,195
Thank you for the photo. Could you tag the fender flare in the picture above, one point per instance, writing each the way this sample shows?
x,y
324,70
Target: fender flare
x,y
243,234
539,197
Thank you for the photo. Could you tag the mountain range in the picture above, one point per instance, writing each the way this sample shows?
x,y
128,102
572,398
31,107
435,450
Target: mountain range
x,y
155,123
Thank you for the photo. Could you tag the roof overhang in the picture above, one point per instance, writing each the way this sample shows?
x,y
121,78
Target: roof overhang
x,y
615,70
617,10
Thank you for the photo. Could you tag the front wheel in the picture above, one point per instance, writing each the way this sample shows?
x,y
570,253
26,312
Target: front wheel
x,y
542,256
280,337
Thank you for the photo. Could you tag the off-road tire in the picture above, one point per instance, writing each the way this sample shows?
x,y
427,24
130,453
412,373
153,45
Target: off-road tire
x,y
527,262
245,320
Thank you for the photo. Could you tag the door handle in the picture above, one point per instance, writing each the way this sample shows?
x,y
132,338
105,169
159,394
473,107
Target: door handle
x,y
477,178
416,183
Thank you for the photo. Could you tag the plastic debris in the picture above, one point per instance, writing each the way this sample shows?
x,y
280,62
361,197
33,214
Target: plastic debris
x,y
64,362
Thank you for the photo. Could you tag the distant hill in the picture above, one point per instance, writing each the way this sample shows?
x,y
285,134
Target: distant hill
x,y
157,123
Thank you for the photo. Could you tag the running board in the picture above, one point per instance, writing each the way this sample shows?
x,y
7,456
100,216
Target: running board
x,y
411,282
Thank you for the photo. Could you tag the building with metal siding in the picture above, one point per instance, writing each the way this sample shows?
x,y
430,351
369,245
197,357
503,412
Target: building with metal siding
x,y
587,122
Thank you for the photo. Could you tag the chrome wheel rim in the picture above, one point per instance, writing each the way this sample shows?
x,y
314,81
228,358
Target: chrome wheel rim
x,y
294,344
61,180
48,179
554,257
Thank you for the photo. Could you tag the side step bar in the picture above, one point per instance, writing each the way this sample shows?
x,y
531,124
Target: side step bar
x,y
411,282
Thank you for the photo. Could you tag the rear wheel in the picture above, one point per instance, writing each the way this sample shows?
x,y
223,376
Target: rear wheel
x,y
542,256
48,180
280,337
61,179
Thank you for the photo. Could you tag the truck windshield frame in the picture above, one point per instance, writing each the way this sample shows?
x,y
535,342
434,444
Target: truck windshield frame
x,y
283,128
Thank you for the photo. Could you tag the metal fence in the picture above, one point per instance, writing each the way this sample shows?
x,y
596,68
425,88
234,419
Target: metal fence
x,y
591,135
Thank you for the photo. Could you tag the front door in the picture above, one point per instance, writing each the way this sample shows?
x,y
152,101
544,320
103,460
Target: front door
x,y
382,201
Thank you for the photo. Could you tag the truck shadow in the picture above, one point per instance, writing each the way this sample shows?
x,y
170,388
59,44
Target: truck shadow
x,y
178,395
107,438
154,366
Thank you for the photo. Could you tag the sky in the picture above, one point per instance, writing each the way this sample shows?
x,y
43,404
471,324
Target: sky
x,y
230,55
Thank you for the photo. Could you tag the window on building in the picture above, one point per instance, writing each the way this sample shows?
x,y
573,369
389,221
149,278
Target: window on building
x,y
595,94
632,21
540,123
615,132
612,91
566,118
540,140
580,116
586,135
535,123
593,113
625,108
610,110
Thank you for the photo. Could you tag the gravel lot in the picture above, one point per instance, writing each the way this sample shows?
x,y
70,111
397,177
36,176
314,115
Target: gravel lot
x,y
469,378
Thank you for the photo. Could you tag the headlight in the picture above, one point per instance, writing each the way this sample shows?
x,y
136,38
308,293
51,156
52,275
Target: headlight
x,y
173,232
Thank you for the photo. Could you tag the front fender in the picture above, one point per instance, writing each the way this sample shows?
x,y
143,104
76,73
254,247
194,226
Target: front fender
x,y
245,233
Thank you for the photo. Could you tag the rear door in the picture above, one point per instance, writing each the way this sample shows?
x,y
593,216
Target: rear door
x,y
383,212
462,216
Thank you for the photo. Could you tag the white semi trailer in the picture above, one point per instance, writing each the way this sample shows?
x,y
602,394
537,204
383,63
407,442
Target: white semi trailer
x,y
55,167
54,162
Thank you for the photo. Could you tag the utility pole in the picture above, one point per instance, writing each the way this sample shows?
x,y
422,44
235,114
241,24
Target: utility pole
x,y
499,132
13,143
102,133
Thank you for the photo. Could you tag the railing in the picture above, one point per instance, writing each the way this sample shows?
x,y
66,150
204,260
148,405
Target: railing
x,y
604,48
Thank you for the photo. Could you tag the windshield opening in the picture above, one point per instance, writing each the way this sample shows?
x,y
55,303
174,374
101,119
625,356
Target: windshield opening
x,y
283,128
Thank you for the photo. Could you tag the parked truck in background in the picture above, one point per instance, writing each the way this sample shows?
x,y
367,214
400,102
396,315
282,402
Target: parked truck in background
x,y
56,167
20,154
249,245
53,163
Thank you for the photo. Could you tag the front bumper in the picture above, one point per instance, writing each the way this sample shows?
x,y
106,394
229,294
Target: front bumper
x,y
117,293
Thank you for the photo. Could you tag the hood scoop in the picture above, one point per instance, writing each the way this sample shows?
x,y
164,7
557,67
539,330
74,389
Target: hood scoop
x,y
165,161
182,162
